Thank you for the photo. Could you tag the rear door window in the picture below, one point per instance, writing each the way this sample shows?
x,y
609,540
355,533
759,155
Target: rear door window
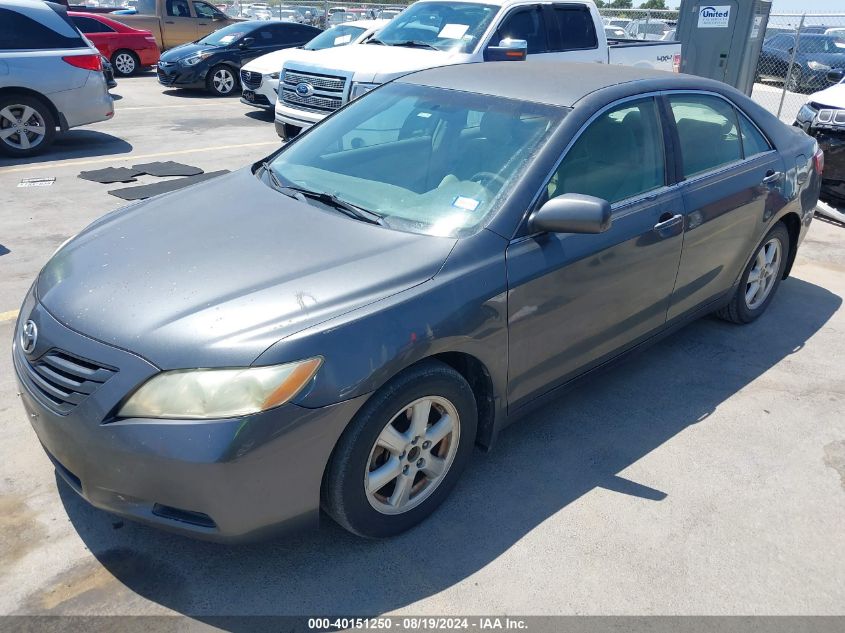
x,y
19,32
707,129
575,27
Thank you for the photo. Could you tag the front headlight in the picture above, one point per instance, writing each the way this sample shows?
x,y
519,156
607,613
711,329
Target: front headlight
x,y
273,75
195,394
818,66
193,60
360,88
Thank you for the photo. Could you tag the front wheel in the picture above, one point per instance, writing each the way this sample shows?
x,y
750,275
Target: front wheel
x,y
403,453
793,79
221,81
761,278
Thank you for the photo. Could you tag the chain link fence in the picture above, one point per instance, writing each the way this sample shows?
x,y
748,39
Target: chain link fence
x,y
319,13
639,24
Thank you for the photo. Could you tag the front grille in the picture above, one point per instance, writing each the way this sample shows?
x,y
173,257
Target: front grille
x,y
62,381
320,82
250,79
314,101
165,78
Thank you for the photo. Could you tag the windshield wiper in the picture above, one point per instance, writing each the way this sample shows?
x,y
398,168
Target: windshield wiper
x,y
415,44
375,40
331,200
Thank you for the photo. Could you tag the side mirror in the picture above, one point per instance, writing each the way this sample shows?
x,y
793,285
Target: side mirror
x,y
246,42
507,50
219,16
835,76
571,213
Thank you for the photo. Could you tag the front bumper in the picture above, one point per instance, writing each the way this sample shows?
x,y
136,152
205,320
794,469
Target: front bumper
x,y
177,76
264,90
303,119
226,480
831,140
148,56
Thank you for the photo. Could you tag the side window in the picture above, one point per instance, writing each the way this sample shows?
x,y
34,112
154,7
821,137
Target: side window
x,y
753,142
524,24
204,10
90,25
707,131
265,37
19,32
618,156
296,34
178,9
576,28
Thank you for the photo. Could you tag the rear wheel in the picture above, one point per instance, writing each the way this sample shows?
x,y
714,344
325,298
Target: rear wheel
x,y
125,63
403,453
222,81
761,278
27,126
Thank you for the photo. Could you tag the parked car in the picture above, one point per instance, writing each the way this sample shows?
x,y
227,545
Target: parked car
x,y
289,15
260,77
620,22
823,117
388,14
52,77
128,49
436,33
214,62
175,22
399,288
616,33
108,72
650,29
817,55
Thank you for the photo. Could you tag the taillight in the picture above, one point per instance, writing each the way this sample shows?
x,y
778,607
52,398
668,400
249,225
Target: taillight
x,y
88,62
676,63
818,161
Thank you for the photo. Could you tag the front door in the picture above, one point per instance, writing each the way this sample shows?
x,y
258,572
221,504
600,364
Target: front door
x,y
575,300
179,26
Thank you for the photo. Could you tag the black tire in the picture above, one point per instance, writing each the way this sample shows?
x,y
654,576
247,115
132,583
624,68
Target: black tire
x,y
793,79
221,89
343,495
129,64
13,144
738,310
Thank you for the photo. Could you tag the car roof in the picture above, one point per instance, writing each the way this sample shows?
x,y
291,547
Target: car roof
x,y
551,82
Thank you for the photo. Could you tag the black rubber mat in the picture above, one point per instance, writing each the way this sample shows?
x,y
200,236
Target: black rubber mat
x,y
148,191
168,168
111,174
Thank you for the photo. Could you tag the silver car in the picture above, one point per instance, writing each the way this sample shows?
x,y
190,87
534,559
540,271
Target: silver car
x,y
51,77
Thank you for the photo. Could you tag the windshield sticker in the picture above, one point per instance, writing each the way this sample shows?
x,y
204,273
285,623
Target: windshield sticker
x,y
343,39
424,115
470,204
453,31
228,39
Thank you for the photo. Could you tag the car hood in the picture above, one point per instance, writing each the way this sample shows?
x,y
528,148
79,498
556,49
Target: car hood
x,y
833,97
273,62
374,63
186,50
212,275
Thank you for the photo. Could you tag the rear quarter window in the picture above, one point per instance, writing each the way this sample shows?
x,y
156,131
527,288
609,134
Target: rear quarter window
x,y
90,25
20,32
576,28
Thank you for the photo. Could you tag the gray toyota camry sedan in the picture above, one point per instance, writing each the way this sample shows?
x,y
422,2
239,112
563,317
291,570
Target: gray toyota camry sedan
x,y
337,326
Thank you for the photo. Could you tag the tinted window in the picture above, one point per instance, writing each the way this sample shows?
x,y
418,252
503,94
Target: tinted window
x,y
524,24
297,33
821,44
178,8
90,25
576,28
618,156
781,42
707,130
18,32
753,142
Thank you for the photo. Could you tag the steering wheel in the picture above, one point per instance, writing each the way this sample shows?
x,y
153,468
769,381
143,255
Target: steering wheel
x,y
483,176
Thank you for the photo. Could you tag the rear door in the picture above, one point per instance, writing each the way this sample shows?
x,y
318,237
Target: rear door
x,y
733,183
576,300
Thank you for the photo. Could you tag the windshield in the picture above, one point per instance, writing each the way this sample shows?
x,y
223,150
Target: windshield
x,y
453,26
822,44
428,160
225,36
336,36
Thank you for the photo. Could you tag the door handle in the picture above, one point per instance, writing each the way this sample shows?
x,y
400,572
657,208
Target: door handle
x,y
169,22
772,176
668,220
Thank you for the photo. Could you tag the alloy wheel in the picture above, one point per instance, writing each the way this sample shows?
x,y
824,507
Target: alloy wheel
x,y
763,274
412,455
125,63
223,81
22,127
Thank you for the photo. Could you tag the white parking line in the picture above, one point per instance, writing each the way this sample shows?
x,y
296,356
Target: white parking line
x,y
132,157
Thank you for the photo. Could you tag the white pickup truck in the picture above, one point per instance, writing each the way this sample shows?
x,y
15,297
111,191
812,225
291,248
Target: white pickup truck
x,y
434,33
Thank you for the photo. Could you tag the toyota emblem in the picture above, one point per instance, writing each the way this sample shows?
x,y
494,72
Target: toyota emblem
x,y
29,336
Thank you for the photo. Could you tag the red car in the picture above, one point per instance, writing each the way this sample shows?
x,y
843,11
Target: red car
x,y
128,49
